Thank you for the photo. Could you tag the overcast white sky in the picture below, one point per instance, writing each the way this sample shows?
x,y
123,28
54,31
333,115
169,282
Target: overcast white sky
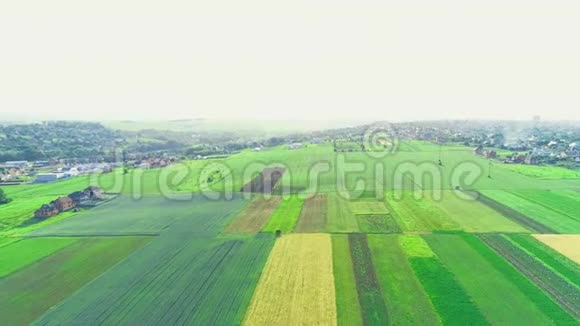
x,y
379,59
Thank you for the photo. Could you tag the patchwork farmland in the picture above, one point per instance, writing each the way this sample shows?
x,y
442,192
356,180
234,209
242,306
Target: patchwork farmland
x,y
282,251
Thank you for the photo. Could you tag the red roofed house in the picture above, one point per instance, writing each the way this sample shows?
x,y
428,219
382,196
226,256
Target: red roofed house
x,y
64,203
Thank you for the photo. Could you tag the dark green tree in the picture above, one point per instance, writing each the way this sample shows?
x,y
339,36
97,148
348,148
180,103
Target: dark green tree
x,y
3,198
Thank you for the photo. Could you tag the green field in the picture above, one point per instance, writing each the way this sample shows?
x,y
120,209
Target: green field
x,y
406,300
285,216
188,246
489,288
408,253
17,255
451,301
347,300
370,297
146,216
543,172
544,275
341,219
538,211
29,292
421,214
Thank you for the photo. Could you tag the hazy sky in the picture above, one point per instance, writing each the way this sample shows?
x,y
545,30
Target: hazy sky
x,y
389,60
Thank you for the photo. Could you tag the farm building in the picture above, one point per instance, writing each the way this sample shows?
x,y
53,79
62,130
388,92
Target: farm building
x,y
64,203
71,201
490,154
47,210
94,193
48,177
38,164
16,164
90,193
79,196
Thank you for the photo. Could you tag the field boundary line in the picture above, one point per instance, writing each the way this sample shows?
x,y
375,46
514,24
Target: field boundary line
x,y
514,215
546,207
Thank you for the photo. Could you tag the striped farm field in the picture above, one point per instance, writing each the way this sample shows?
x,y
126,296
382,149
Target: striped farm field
x,y
201,281
18,254
474,216
548,256
285,216
489,287
557,200
255,216
551,274
313,215
345,255
367,207
370,296
405,298
566,244
29,292
297,284
148,215
450,299
555,221
347,305
341,219
418,214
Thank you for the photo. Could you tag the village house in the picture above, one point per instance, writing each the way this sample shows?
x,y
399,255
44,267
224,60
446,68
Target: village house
x,y
531,159
46,210
79,197
490,154
64,203
478,150
90,193
71,201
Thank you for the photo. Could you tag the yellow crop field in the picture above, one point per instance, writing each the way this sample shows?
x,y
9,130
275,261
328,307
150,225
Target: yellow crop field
x,y
297,285
566,244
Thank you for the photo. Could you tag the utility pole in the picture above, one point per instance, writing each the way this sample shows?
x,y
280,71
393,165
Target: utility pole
x,y
440,150
489,170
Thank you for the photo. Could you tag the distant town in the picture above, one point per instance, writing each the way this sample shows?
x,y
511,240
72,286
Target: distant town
x,y
50,151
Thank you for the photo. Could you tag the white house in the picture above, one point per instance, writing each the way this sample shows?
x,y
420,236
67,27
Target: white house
x,y
73,172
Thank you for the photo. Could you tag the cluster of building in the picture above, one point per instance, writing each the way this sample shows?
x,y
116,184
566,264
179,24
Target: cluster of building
x,y
10,174
479,150
75,170
65,203
151,163
530,142
14,171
